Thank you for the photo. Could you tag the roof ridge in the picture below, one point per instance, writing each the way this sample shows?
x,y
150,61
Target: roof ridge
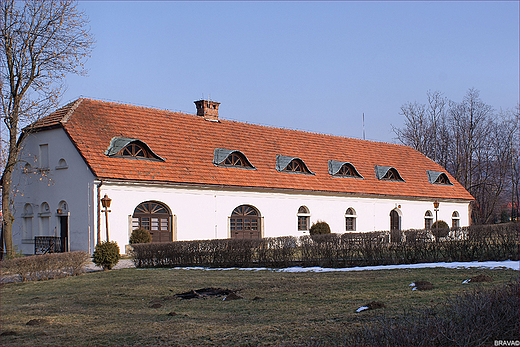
x,y
138,106
312,132
71,110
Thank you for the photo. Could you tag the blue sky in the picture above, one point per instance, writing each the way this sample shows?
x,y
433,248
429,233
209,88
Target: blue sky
x,y
315,66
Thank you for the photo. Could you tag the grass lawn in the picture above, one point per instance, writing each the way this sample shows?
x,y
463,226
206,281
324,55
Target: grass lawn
x,y
121,307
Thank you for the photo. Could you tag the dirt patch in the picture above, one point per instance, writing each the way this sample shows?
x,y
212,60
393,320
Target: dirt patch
x,y
232,296
422,285
481,278
9,333
204,293
37,322
373,305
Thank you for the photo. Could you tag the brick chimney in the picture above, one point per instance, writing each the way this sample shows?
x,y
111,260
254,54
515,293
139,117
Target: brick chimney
x,y
207,109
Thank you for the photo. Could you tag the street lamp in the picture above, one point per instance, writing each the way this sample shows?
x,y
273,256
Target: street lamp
x,y
436,209
106,205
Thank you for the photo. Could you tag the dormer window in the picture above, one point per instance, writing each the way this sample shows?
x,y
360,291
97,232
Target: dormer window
x,y
134,150
343,169
291,165
124,147
385,173
231,158
435,177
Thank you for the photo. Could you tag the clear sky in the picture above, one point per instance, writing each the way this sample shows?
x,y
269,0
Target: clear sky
x,y
315,66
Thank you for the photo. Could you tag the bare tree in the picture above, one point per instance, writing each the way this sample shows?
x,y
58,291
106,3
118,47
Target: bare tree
x,y
41,42
478,147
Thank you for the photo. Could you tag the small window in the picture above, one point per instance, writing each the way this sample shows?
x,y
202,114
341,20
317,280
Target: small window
x,y
303,218
385,173
231,158
123,147
428,220
343,169
435,177
350,219
134,150
27,168
292,165
455,220
62,164
44,156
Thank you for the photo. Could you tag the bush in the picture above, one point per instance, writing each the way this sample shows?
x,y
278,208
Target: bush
x,y
45,266
319,228
106,254
440,229
140,236
476,318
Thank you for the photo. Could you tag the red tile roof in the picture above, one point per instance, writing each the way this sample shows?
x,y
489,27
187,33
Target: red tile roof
x,y
187,143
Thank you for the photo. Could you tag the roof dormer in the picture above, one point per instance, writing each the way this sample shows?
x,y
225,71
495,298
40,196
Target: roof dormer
x,y
124,147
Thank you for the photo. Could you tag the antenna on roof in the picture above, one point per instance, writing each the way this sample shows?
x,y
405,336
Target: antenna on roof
x,y
363,125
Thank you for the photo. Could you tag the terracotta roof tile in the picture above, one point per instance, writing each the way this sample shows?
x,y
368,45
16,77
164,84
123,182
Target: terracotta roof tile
x,y
187,143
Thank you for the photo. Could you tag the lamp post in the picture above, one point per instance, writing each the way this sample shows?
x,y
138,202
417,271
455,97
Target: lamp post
x,y
436,209
106,205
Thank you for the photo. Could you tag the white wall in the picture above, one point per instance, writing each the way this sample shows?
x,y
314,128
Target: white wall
x,y
73,184
199,213
203,213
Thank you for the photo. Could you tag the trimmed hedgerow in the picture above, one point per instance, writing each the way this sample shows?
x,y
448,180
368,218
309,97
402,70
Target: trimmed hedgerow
x,y
479,243
45,266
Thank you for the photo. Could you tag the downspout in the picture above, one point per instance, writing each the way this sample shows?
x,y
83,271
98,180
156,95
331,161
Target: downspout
x,y
99,212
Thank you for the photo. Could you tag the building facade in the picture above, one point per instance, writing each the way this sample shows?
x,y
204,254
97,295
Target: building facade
x,y
188,177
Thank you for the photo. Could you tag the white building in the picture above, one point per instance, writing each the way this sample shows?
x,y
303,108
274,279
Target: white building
x,y
188,177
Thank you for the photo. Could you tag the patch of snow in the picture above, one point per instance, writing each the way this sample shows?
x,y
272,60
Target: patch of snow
x,y
508,264
362,308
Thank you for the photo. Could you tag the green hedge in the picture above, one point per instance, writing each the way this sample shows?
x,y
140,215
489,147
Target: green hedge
x,y
476,243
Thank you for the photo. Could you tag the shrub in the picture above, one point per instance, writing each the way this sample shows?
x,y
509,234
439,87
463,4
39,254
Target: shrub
x,y
140,236
106,254
319,228
45,266
477,318
440,229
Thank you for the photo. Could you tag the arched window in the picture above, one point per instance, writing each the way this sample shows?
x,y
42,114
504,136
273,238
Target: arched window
x,y
395,220
27,168
235,159
455,220
292,165
428,220
244,223
392,175
135,150
350,219
231,158
154,217
62,164
343,169
348,170
385,173
296,166
45,214
303,218
130,148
